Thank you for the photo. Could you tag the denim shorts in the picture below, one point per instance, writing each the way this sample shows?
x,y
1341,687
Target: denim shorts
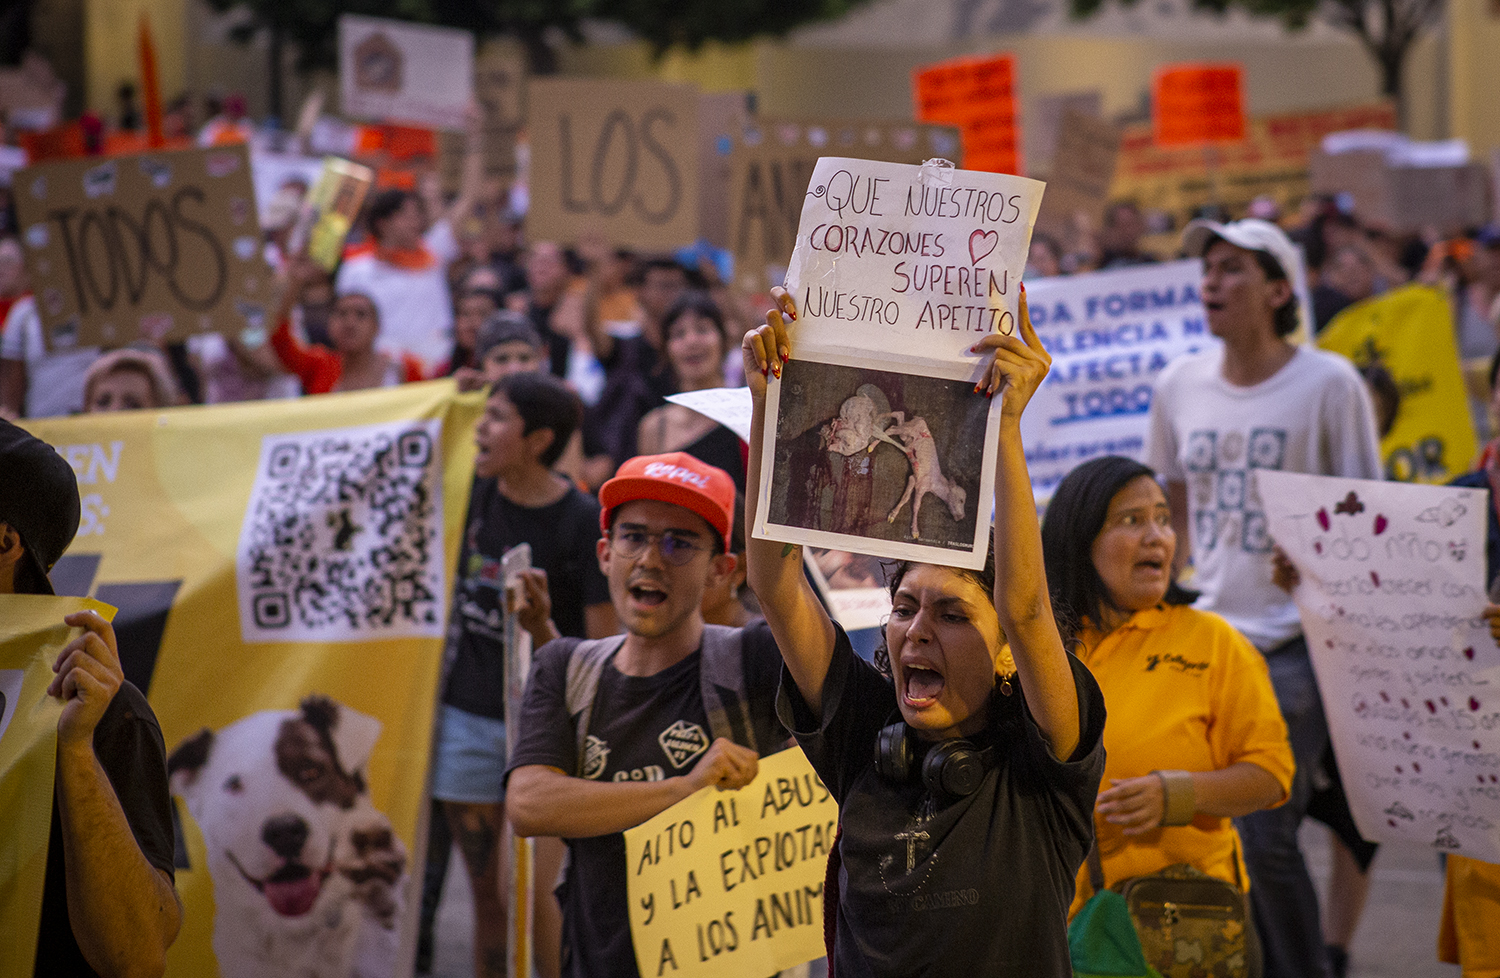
x,y
468,761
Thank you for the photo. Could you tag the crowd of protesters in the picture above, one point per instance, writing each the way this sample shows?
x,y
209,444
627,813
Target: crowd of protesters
x,y
434,286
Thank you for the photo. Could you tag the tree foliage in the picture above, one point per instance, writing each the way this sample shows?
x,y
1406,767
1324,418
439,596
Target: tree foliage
x,y
1385,28
312,25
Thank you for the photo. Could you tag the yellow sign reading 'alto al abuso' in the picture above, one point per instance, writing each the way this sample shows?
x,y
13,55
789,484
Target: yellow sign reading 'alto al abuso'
x,y
731,882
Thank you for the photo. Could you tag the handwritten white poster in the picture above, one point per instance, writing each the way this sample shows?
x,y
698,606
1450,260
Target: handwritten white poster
x,y
1392,586
392,71
1110,334
881,446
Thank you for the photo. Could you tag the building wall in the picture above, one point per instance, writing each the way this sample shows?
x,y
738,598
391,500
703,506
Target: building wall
x,y
1473,49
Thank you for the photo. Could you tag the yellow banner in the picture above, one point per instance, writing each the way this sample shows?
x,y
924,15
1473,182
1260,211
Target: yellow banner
x,y
32,634
283,572
731,882
1410,332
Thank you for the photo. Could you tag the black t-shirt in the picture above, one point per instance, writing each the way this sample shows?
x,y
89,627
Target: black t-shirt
x,y
977,886
562,538
635,381
131,751
643,728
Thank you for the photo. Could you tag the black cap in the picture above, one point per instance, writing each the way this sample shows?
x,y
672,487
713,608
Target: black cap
x,y
38,499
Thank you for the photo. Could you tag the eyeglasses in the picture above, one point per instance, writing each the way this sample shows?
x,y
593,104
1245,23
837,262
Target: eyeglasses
x,y
675,548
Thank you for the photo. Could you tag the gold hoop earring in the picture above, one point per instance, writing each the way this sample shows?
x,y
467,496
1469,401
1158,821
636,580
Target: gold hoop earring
x,y
1005,686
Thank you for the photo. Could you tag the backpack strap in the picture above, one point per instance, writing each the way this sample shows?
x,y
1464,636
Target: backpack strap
x,y
585,664
721,675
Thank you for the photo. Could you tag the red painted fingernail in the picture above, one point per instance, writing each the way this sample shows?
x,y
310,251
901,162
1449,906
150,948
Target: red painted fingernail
x,y
989,394
977,388
785,357
1023,287
765,370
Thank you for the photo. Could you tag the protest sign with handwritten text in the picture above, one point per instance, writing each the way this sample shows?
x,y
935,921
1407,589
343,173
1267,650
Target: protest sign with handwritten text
x,y
771,165
881,444
1198,104
1392,586
618,158
158,247
1110,334
731,882
979,96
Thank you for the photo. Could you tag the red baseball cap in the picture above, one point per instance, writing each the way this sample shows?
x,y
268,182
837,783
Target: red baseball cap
x,y
676,478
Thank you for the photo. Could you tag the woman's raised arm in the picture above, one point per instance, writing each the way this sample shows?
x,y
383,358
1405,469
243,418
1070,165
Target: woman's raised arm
x,y
797,618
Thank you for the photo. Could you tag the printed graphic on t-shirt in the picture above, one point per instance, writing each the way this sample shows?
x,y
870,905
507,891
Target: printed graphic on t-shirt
x,y
682,742
913,846
595,754
1226,509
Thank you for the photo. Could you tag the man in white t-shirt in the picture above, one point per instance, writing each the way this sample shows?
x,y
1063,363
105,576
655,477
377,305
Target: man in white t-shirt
x,y
404,270
1260,402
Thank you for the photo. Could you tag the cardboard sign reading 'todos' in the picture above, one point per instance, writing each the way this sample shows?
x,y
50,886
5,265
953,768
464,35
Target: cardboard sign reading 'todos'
x,y
158,246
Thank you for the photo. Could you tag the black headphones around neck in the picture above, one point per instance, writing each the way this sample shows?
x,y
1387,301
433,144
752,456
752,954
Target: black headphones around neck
x,y
952,768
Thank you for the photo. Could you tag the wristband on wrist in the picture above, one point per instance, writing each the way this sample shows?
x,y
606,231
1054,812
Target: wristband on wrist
x,y
1178,802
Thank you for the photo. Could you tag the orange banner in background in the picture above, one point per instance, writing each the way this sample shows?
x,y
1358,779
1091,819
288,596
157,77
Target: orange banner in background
x,y
1198,104
979,96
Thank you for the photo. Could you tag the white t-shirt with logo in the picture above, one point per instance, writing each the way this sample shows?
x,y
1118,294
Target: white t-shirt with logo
x,y
416,307
1314,415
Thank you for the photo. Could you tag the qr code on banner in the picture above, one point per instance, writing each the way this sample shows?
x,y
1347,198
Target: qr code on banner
x,y
343,536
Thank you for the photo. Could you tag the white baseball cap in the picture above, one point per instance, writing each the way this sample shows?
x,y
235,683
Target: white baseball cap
x,y
1253,234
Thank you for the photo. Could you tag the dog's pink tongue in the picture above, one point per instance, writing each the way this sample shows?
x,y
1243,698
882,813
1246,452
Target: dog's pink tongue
x,y
924,684
294,898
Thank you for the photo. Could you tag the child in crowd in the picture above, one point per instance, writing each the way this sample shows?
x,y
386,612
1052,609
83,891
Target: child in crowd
x,y
516,499
129,380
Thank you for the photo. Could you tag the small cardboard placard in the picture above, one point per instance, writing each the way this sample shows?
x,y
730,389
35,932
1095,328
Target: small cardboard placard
x,y
1083,168
157,247
617,158
889,451
1198,104
500,91
772,161
979,96
393,71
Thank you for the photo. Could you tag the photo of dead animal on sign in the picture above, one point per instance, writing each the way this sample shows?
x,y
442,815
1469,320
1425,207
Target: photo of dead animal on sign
x,y
882,445
891,458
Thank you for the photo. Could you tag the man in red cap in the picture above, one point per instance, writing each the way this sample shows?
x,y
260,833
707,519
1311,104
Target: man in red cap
x,y
617,730
108,905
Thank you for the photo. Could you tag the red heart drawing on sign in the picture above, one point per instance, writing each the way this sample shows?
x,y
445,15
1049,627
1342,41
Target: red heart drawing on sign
x,y
981,243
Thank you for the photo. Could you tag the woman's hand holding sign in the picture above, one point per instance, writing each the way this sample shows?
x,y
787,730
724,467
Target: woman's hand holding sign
x,y
766,348
1018,368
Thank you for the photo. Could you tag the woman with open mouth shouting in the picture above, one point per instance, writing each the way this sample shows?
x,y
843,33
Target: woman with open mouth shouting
x,y
966,779
1195,736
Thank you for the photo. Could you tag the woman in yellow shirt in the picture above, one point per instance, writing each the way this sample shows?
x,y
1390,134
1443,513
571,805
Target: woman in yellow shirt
x,y
1194,736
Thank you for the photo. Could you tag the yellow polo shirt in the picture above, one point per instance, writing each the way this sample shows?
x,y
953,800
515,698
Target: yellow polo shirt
x,y
1184,691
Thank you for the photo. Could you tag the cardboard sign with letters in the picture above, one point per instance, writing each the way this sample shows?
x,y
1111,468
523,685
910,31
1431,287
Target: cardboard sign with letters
x,y
772,162
500,91
391,71
1088,150
158,246
618,158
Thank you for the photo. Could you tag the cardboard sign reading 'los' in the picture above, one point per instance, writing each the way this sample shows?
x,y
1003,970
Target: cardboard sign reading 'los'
x,y
158,246
619,158
881,445
1391,593
392,71
731,882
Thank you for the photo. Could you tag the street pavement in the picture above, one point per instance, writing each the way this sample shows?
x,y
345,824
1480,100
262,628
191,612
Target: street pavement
x,y
1397,936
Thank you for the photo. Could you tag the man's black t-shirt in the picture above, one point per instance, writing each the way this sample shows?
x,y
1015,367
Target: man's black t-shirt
x,y
562,538
130,749
976,886
643,728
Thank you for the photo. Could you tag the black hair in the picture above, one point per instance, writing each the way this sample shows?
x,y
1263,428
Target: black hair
x,y
1384,394
658,263
1494,371
383,205
543,401
1074,518
699,303
1285,317
505,326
